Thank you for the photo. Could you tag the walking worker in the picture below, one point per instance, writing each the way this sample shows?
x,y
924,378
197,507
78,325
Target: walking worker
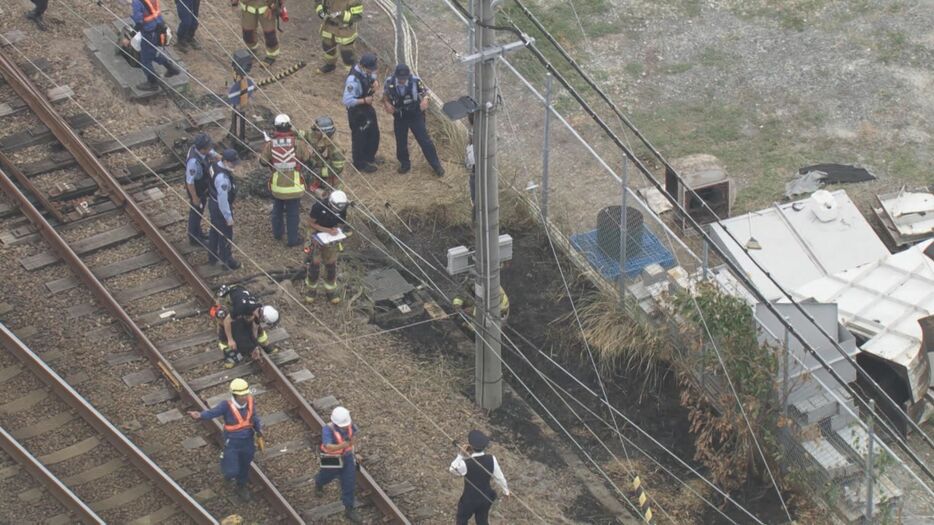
x,y
338,29
36,14
147,19
327,161
286,154
325,221
187,24
338,461
260,13
198,182
223,192
242,323
359,93
477,468
406,99
243,433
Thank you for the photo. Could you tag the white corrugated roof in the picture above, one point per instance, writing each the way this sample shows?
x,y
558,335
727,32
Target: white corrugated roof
x,y
882,301
797,247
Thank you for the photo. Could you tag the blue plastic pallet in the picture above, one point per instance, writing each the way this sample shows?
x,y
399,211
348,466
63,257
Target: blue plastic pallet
x,y
652,252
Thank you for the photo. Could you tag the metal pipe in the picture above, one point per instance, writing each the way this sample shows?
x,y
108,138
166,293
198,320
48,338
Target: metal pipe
x,y
870,466
546,146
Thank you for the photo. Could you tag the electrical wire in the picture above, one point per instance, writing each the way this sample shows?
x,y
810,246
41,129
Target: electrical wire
x,y
293,298
878,390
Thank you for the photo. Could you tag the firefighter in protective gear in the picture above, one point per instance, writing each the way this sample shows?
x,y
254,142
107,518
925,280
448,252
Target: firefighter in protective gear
x,y
469,307
338,439
286,154
241,324
327,160
338,30
260,13
324,218
242,430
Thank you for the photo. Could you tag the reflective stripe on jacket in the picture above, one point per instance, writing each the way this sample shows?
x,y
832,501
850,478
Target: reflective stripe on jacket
x,y
340,441
285,186
242,422
154,11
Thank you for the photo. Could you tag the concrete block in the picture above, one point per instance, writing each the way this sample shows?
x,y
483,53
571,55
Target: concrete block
x,y
169,415
101,41
653,273
678,280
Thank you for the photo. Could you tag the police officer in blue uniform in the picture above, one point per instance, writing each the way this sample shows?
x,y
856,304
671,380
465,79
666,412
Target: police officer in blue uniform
x,y
147,19
223,191
187,24
36,14
359,93
197,182
406,99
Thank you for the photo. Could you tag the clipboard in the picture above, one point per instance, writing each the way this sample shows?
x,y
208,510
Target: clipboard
x,y
325,238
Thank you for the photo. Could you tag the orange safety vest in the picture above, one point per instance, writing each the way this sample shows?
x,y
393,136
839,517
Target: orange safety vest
x,y
242,421
340,440
154,10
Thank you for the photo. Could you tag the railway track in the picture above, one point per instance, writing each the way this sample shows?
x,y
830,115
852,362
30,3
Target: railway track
x,y
119,454
179,368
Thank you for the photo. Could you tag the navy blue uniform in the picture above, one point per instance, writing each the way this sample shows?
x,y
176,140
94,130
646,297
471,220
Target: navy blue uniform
x,y
239,445
364,128
347,473
150,26
187,19
197,169
408,115
223,192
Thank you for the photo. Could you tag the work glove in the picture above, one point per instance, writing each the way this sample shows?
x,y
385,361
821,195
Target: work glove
x,y
320,10
261,443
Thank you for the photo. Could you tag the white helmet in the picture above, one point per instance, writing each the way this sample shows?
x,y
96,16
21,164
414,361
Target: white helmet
x,y
282,122
340,416
338,200
269,315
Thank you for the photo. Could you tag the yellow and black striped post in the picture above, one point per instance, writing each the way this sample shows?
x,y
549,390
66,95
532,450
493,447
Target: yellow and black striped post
x,y
642,499
282,74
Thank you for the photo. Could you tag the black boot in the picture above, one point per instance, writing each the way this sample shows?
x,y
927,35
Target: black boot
x,y
352,515
36,17
171,70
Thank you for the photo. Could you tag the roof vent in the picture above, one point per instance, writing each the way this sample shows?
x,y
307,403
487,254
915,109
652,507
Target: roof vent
x,y
824,205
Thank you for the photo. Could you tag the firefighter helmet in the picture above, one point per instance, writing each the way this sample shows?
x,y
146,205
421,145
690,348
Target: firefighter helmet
x,y
282,122
338,200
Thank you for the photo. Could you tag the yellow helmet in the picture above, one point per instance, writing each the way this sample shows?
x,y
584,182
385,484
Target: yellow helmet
x,y
239,387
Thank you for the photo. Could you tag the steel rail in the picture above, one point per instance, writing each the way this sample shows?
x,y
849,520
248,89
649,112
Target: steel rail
x,y
105,299
62,493
24,181
102,425
91,164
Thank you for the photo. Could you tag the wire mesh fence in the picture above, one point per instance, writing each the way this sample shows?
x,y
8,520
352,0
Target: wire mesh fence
x,y
619,231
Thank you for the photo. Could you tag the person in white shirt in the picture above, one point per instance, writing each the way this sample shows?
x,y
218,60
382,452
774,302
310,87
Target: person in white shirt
x,y
477,468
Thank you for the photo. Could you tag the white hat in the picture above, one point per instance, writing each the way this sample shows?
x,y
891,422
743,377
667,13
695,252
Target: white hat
x,y
270,315
340,416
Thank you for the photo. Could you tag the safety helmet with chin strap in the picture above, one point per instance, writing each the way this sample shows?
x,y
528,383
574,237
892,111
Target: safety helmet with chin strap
x,y
338,200
282,122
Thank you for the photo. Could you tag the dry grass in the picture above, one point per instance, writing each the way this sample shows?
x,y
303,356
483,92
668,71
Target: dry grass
x,y
623,342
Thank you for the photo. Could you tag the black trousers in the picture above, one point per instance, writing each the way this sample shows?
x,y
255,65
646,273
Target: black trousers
x,y
479,510
414,121
364,134
41,6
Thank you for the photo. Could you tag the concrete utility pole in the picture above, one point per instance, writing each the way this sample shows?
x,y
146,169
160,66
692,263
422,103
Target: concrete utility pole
x,y
488,372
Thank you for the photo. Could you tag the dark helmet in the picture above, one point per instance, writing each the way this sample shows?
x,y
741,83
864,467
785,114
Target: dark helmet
x,y
368,60
202,141
325,125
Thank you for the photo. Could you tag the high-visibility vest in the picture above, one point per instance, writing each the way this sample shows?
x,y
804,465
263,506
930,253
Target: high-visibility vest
x,y
286,187
283,152
154,11
243,422
340,441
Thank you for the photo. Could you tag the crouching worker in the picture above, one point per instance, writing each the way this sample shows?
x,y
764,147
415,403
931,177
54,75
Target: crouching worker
x,y
242,435
326,224
242,324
